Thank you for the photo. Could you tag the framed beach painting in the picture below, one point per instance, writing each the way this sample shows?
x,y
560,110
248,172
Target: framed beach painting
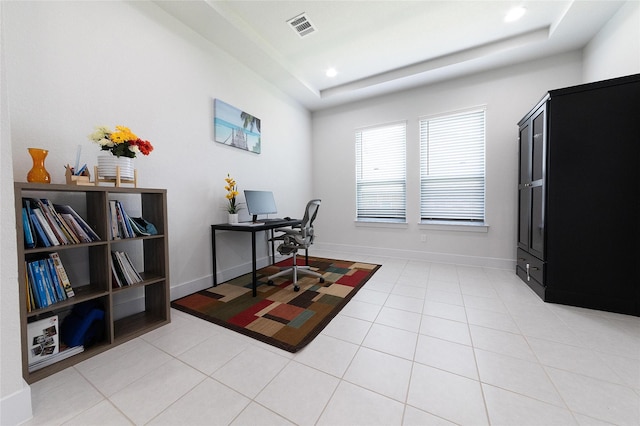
x,y
235,127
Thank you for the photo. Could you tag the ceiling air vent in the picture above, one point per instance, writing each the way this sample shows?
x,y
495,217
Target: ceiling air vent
x,y
302,25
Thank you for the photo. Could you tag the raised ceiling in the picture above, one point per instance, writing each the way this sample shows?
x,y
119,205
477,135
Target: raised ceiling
x,y
383,46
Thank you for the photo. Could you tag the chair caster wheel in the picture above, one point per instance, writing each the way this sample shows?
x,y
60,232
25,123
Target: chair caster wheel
x,y
270,282
296,288
321,280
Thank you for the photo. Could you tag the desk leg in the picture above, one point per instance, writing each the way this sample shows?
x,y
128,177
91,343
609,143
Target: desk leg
x,y
253,261
213,257
273,248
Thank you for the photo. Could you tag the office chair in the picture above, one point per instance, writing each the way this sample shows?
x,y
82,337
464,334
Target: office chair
x,y
295,239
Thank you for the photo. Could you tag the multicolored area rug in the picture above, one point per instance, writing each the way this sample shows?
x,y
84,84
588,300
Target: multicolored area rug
x,y
278,315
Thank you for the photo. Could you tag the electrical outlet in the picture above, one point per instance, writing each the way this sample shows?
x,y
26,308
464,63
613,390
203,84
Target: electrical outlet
x,y
423,238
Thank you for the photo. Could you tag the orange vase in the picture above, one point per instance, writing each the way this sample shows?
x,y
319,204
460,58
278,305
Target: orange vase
x,y
38,173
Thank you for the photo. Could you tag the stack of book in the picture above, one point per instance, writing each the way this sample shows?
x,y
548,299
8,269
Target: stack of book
x,y
47,282
45,346
46,224
53,358
123,271
122,225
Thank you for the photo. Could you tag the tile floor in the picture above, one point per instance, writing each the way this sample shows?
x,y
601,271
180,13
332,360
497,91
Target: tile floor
x,y
421,344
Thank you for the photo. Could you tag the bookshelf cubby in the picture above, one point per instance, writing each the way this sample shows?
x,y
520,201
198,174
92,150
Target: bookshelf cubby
x,y
129,311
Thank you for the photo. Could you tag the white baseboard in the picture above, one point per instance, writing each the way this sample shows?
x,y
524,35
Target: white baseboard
x,y
486,262
184,289
187,288
16,408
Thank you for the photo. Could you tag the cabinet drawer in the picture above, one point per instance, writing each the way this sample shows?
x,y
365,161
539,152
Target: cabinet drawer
x,y
530,267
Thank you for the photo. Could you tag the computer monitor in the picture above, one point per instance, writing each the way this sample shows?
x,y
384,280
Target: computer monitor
x,y
260,202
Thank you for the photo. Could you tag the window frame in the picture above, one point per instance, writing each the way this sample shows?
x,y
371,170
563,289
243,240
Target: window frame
x,y
475,218
387,187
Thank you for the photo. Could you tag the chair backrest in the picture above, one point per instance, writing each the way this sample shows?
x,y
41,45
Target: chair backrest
x,y
303,238
310,213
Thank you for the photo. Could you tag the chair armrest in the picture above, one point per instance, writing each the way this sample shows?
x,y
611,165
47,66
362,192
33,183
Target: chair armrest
x,y
289,231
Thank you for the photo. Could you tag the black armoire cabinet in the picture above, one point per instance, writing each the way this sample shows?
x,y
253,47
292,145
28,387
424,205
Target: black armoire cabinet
x,y
579,196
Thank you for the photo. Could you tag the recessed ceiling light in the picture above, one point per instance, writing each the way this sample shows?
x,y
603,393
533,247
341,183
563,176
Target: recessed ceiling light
x,y
515,14
331,72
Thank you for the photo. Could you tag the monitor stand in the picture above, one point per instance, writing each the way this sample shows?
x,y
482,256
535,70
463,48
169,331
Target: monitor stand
x,y
255,218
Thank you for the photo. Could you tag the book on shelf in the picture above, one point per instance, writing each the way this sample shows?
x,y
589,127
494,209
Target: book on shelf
x,y
62,274
29,293
34,292
39,285
73,223
50,291
51,277
138,228
64,209
29,239
124,279
126,221
47,282
127,268
123,270
63,353
113,220
29,225
42,239
123,225
43,337
46,224
122,221
116,280
52,221
66,234
136,275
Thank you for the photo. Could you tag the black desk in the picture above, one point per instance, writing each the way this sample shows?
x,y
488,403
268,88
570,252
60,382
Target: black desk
x,y
266,226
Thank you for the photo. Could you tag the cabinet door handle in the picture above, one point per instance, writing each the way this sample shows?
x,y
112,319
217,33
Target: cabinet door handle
x,y
529,269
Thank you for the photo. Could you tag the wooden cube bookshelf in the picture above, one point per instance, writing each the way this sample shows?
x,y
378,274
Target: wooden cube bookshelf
x,y
94,259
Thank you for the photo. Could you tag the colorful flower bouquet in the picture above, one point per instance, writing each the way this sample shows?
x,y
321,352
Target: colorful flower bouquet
x,y
121,143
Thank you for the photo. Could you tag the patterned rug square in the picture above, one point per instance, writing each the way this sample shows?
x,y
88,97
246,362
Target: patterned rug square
x,y
278,315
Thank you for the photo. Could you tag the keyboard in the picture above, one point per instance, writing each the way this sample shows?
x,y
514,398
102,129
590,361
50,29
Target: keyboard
x,y
275,219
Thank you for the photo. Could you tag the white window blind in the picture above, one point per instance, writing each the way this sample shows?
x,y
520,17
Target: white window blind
x,y
452,167
381,173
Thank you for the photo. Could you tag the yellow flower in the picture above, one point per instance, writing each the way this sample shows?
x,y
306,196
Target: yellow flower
x,y
122,134
232,193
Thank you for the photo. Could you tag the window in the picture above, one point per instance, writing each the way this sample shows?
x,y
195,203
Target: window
x,y
381,173
452,172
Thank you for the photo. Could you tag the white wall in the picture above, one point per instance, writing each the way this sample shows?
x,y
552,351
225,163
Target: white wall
x,y
508,93
72,65
15,394
615,50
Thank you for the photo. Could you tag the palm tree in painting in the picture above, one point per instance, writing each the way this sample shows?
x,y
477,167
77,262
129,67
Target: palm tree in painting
x,y
250,120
